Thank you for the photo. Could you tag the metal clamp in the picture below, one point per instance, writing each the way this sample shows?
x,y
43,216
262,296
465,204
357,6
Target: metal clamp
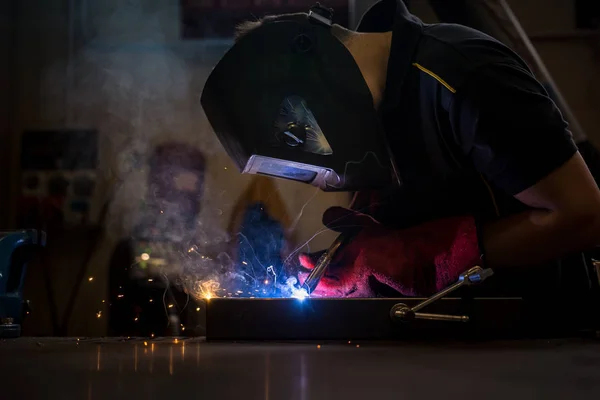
x,y
12,276
474,276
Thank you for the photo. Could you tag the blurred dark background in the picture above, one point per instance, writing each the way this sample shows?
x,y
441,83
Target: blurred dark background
x,y
104,145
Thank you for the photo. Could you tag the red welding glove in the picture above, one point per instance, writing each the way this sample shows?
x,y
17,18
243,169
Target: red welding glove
x,y
417,261
343,278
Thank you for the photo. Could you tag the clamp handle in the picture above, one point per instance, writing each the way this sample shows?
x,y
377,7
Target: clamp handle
x,y
404,312
473,276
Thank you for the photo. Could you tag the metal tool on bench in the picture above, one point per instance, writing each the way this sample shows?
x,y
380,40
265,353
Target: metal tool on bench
x,y
16,250
474,276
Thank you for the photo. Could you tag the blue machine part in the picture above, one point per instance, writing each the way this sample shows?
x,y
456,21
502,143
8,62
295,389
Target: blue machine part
x,y
16,250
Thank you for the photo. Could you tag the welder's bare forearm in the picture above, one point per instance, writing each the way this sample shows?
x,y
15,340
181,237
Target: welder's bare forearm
x,y
536,237
566,219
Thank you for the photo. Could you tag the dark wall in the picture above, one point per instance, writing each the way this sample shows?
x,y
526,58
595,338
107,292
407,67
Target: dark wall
x,y
7,68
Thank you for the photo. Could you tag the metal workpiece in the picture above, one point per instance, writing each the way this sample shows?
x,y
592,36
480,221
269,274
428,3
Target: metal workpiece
x,y
473,276
352,319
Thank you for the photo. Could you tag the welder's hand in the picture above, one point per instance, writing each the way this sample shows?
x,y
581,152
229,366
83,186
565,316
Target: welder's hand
x,y
342,279
349,273
416,261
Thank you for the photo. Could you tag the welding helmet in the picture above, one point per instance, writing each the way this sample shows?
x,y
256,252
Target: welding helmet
x,y
288,100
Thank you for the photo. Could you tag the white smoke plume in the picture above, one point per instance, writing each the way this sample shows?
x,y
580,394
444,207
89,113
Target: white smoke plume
x,y
141,83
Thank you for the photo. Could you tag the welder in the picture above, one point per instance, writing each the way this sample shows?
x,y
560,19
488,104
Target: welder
x,y
455,152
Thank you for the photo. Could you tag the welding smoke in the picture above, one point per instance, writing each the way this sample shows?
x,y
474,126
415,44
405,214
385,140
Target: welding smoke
x,y
143,92
138,83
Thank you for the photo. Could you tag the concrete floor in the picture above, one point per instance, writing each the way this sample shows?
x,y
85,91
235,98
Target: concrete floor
x,y
95,369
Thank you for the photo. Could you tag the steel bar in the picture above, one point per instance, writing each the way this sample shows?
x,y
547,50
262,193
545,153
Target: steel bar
x,y
438,296
401,312
352,319
442,317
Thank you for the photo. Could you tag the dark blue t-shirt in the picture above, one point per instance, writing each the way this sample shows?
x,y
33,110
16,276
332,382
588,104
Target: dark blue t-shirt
x,y
468,123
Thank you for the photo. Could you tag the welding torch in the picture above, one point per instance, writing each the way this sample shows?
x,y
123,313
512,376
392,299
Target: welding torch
x,y
321,267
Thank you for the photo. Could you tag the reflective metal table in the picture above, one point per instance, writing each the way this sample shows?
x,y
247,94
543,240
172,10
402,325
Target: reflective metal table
x,y
95,369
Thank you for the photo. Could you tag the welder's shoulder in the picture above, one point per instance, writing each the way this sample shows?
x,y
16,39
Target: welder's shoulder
x,y
453,53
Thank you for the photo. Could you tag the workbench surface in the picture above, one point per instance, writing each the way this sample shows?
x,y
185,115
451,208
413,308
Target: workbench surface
x,y
96,369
